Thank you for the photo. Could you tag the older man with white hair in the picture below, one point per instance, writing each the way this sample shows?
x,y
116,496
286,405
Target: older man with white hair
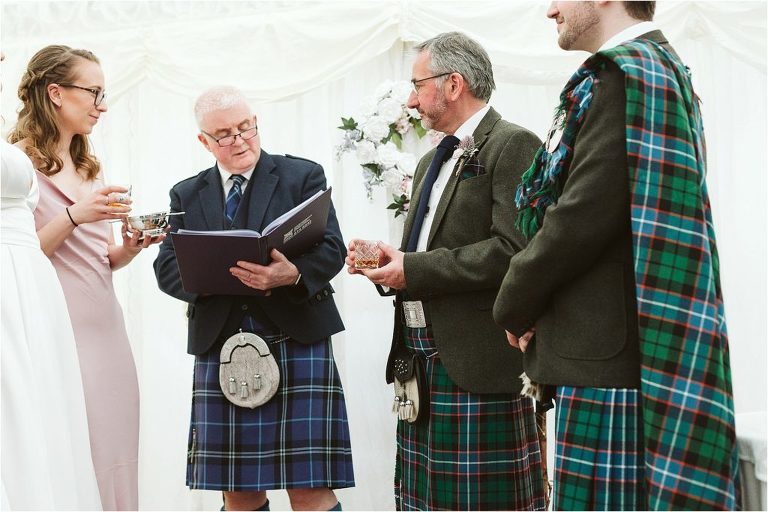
x,y
299,439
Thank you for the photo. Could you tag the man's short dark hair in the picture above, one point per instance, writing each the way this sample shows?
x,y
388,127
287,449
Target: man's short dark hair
x,y
642,11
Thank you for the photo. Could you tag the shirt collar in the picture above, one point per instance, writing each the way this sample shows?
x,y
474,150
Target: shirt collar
x,y
628,33
470,125
225,174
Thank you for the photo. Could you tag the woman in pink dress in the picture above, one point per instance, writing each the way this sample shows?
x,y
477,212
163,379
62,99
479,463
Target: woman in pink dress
x,y
62,92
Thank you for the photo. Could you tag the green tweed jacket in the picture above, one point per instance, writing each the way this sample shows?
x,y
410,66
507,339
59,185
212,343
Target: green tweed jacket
x,y
575,280
471,240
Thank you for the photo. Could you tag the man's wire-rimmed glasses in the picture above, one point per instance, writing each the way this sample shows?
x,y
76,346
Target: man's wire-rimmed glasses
x,y
98,94
414,83
228,140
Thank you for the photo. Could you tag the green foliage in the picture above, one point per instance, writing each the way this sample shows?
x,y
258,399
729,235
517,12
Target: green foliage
x,y
395,137
348,124
418,127
400,204
374,168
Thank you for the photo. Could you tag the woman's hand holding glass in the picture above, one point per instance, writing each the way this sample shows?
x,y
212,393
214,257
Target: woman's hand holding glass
x,y
109,203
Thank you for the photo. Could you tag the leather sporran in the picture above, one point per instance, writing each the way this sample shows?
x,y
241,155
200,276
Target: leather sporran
x,y
411,402
248,373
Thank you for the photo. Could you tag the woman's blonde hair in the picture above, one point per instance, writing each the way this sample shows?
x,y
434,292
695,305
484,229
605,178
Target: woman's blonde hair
x,y
54,64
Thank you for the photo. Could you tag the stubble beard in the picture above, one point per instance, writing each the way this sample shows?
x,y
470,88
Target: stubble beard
x,y
580,22
432,117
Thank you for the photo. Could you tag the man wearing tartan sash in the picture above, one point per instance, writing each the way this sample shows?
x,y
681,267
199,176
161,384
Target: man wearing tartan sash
x,y
620,279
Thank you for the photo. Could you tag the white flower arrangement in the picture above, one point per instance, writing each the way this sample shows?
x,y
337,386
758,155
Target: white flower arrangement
x,y
377,141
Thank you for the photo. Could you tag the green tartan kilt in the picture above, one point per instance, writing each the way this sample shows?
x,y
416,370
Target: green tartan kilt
x,y
598,450
476,452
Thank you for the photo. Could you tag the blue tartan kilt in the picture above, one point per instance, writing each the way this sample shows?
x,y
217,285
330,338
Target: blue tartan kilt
x,y
299,439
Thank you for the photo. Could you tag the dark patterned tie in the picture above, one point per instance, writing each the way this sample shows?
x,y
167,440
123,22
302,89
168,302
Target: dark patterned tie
x,y
234,196
444,151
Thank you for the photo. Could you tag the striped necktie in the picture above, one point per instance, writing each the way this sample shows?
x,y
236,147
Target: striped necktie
x,y
234,196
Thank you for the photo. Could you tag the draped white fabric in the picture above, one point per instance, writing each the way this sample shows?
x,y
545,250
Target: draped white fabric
x,y
304,64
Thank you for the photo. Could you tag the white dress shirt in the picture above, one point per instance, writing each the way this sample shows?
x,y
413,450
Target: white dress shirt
x,y
467,128
629,33
227,184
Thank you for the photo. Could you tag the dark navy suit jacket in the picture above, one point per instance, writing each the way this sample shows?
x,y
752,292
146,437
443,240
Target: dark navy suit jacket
x,y
305,312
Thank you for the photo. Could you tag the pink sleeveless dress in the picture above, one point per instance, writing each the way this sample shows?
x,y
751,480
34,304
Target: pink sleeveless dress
x,y
106,361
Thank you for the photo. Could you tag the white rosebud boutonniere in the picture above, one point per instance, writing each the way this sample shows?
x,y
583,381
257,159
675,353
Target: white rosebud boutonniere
x,y
464,151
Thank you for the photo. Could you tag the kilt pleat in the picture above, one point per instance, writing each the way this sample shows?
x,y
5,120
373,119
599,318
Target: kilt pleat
x,y
477,452
299,439
599,450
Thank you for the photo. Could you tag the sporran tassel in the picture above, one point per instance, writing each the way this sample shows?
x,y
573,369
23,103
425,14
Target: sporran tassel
x,y
408,410
531,389
232,386
396,405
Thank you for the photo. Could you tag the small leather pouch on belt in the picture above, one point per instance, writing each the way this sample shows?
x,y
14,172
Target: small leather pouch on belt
x,y
411,402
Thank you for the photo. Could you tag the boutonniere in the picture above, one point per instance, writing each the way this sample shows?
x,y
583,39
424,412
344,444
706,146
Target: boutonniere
x,y
464,151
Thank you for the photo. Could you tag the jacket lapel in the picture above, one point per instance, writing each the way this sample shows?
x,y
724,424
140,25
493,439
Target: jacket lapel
x,y
260,189
480,135
415,195
211,196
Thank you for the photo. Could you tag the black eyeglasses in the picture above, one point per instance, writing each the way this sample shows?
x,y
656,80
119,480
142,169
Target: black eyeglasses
x,y
414,82
228,140
98,94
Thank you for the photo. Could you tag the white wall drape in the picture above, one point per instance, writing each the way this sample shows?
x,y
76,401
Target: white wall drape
x,y
304,64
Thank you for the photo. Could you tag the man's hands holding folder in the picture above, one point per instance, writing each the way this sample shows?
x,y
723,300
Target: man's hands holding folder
x,y
279,272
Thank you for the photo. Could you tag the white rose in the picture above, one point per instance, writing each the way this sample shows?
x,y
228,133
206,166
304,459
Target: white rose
x,y
383,90
375,128
367,108
392,178
401,91
412,112
366,152
388,155
403,125
407,163
390,110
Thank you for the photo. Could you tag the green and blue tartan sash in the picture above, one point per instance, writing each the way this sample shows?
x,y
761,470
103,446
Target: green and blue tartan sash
x,y
691,456
543,182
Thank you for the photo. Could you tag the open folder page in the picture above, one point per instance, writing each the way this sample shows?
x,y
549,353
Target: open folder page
x,y
205,257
